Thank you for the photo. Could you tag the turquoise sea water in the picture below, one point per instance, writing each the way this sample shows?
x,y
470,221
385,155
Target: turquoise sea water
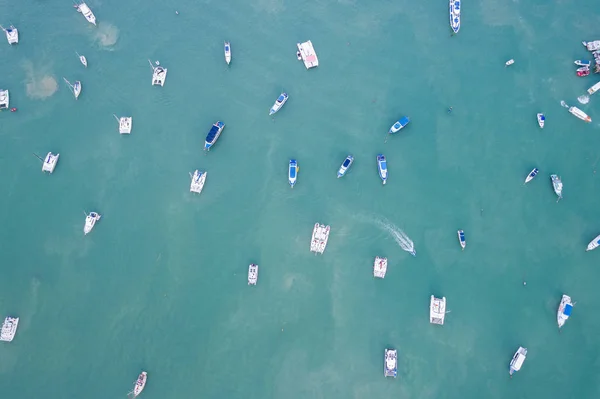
x,y
160,284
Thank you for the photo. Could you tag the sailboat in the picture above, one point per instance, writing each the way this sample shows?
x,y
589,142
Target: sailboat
x,y
75,88
82,59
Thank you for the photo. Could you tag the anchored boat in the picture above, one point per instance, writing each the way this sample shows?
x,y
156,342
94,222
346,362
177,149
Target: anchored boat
x,y
592,46
399,125
82,59
382,167
227,49
293,172
517,360
125,124
308,54
50,162
87,13
437,310
461,239
213,135
140,384
198,180
531,175
9,329
583,72
12,34
252,274
380,267
345,166
320,236
282,99
557,185
4,99
580,114
455,15
564,310
390,363
90,222
159,74
594,88
583,63
509,62
595,243
541,118
75,88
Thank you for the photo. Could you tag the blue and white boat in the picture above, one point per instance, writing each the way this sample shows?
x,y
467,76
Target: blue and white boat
x,y
461,239
227,49
595,243
399,125
564,310
583,63
345,166
541,118
390,363
517,360
455,15
283,97
531,175
293,172
382,167
213,135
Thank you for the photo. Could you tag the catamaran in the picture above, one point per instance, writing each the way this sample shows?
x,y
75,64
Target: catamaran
x,y
564,310
140,384
541,118
455,15
517,360
382,167
50,162
90,221
159,74
595,243
461,239
557,185
4,99
283,97
82,59
9,329
380,267
319,239
227,48
198,180
592,46
580,114
87,13
293,172
213,135
390,363
125,124
399,125
12,34
252,274
308,54
437,310
75,88
531,175
345,166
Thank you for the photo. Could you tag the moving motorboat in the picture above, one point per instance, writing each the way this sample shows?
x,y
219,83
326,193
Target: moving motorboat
x,y
308,54
252,274
455,15
557,185
213,135
198,180
9,329
140,384
564,310
580,114
125,124
509,62
583,63
461,239
75,88
541,118
320,236
399,125
283,97
390,363
531,175
293,172
517,360
4,99
594,88
159,74
12,34
382,167
50,162
87,13
595,243
437,310
592,46
90,221
583,72
82,59
380,267
227,48
345,166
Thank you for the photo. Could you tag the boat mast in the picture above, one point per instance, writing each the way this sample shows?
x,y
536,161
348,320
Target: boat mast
x,y
117,118
38,157
151,66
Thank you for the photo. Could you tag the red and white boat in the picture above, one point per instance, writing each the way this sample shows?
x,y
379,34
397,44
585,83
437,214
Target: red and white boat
x,y
581,72
140,384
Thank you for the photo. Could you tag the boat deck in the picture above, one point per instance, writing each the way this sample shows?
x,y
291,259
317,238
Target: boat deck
x,y
437,310
308,54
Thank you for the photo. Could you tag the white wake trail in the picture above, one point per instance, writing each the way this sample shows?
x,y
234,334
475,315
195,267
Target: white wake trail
x,y
401,238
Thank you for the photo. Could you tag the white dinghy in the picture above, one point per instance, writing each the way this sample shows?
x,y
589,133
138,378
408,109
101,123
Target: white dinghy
x,y
198,179
82,59
75,88
12,34
90,221
125,124
9,329
437,310
159,74
252,274
564,310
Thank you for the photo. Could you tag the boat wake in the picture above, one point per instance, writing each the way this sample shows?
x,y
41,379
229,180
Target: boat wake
x,y
564,104
399,236
583,99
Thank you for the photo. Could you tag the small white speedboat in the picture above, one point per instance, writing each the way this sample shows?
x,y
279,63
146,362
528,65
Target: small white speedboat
x,y
227,48
564,310
583,63
382,168
557,185
345,166
50,162
517,360
75,88
90,222
87,13
455,15
82,59
509,62
293,172
9,329
390,363
595,243
159,74
198,180
282,99
541,118
4,99
140,384
531,175
437,310
580,114
12,34
461,239
252,274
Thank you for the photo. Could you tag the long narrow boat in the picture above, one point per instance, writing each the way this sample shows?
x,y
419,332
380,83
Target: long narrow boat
x,y
461,239
557,186
531,175
595,243
455,15
227,49
293,172
580,114
382,168
564,310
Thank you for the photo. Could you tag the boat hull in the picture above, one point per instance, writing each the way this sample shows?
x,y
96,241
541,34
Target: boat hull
x,y
382,168
564,310
292,172
541,120
595,243
454,9
345,166
213,135
461,239
227,50
279,103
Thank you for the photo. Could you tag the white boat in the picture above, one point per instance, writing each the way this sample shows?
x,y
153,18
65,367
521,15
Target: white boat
x,y
282,99
9,329
382,168
320,236
595,243
90,221
50,162
140,384
461,239
509,62
87,13
580,114
125,124
583,63
293,172
308,54
397,126
252,274
159,75
594,88
564,310
75,88
531,175
345,166
592,46
390,363
557,185
4,99
380,267
437,310
227,48
12,34
517,360
541,118
82,59
198,180
455,15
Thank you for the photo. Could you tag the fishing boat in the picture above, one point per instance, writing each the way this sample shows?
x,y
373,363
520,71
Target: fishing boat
x,y
50,162
252,274
531,175
592,46
517,360
4,99
283,97
461,239
227,48
12,34
455,15
594,88
213,135
292,172
399,125
509,62
583,63
541,118
308,54
125,124
9,329
90,221
580,114
140,384
345,166
380,267
382,167
564,310
390,363
595,243
557,185
437,310
320,236
583,72
159,75
75,88
198,180
82,59
87,13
